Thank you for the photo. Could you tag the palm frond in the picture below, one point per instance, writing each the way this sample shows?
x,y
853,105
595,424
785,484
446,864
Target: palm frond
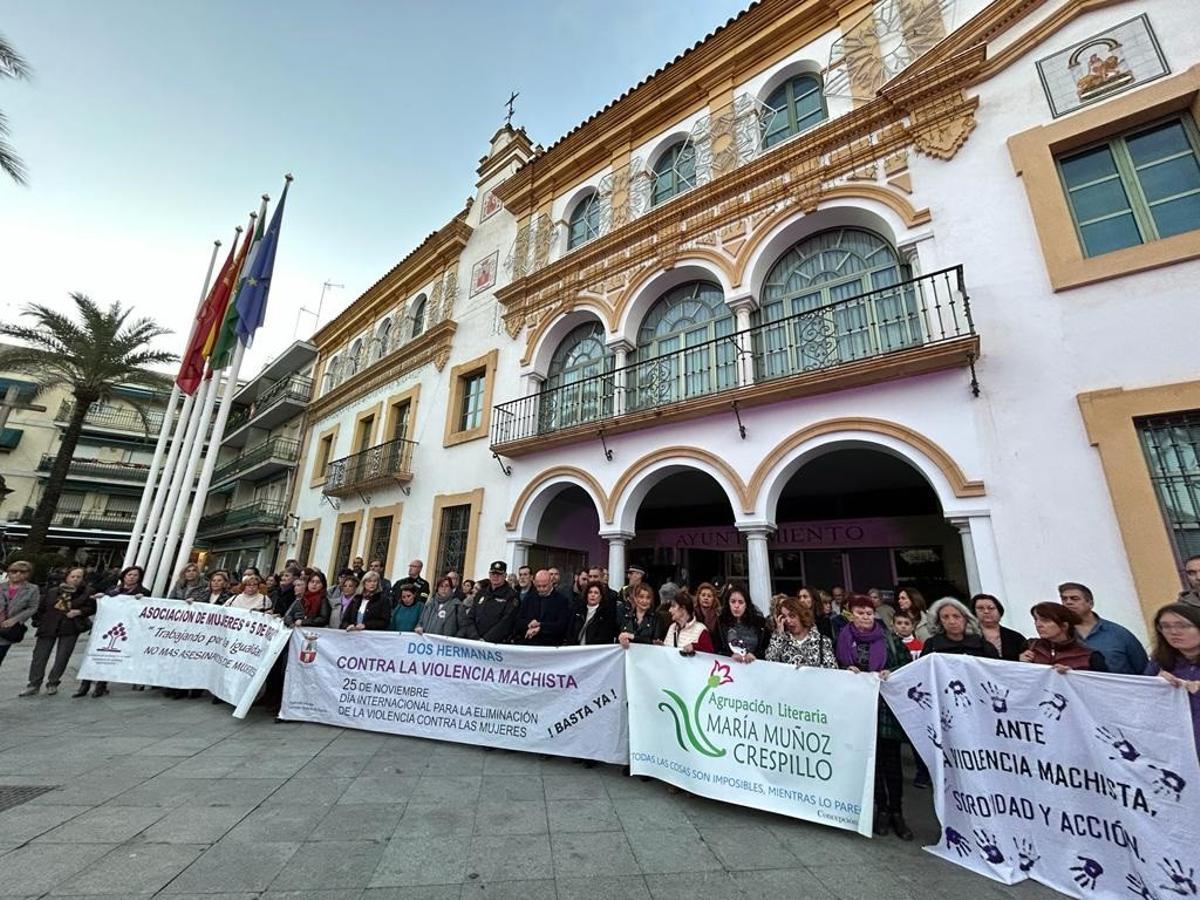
x,y
12,63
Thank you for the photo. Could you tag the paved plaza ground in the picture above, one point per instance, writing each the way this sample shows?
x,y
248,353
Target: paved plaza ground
x,y
176,797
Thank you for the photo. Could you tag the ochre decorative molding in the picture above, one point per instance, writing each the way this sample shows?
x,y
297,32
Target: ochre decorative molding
x,y
676,454
941,129
433,346
959,483
599,497
602,312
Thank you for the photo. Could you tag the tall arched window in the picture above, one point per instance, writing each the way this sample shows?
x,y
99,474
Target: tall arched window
x,y
380,346
795,106
418,316
685,346
354,361
579,385
333,373
585,221
674,173
836,296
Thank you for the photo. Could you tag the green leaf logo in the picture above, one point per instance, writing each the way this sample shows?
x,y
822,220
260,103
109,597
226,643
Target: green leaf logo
x,y
688,722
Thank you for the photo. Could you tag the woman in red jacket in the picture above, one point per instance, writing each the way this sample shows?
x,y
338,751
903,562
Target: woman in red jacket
x,y
1057,644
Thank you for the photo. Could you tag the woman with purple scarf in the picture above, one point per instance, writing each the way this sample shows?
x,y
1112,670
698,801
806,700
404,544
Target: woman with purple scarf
x,y
865,645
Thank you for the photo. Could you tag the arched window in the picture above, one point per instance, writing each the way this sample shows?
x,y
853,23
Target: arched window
x,y
418,316
585,221
835,297
674,173
684,346
579,384
354,362
333,373
380,346
795,106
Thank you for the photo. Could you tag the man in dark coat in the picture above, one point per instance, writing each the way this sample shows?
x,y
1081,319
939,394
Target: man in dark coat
x,y
544,615
493,615
414,580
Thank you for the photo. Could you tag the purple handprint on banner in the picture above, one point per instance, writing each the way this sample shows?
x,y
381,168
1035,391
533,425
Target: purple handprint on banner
x,y
957,691
996,695
1087,872
958,842
1027,855
988,848
1168,784
1182,880
918,695
1138,887
1054,707
1116,739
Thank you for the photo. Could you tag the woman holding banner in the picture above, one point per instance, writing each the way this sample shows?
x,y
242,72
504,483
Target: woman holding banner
x,y
341,597
253,597
189,579
989,611
686,632
444,613
593,622
214,591
865,645
310,609
62,618
955,630
641,623
1176,654
369,611
796,640
741,629
129,584
1057,644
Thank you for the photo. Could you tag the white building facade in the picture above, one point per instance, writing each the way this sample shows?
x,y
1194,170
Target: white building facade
x,y
848,294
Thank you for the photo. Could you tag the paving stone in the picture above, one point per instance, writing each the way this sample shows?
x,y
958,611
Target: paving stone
x,y
355,821
501,857
232,865
622,887
669,852
583,815
511,817
509,890
27,821
132,869
574,787
694,886
375,789
421,892
105,825
278,823
422,819
448,789
35,869
330,864
195,825
419,860
581,855
309,792
651,814
752,848
771,884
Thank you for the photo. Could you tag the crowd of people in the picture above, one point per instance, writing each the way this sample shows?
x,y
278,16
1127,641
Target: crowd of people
x,y
859,633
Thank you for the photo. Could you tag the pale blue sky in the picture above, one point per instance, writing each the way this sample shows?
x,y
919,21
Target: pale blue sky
x,y
152,127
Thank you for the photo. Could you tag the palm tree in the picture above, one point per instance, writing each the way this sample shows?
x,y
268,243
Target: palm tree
x,y
90,358
12,65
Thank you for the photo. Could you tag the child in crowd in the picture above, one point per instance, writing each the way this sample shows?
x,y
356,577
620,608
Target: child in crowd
x,y
902,624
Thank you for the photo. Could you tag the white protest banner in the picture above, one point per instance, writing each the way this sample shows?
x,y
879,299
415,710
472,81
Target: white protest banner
x,y
1087,783
563,701
169,643
799,742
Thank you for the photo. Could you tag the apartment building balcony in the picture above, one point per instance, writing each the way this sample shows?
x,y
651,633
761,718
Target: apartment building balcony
x,y
285,399
92,469
113,419
69,522
913,327
261,515
378,466
259,462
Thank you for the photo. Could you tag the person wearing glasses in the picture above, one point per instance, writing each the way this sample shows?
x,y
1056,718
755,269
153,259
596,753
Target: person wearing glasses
x,y
1176,654
19,600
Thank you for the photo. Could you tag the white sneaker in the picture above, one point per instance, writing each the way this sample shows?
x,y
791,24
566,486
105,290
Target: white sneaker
x,y
29,691
51,690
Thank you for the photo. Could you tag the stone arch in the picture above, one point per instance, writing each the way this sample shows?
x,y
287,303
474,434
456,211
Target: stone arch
x,y
951,485
866,206
787,73
544,338
636,481
544,487
633,305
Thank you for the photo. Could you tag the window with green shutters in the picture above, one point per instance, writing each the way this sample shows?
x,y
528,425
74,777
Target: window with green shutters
x,y
793,107
1139,187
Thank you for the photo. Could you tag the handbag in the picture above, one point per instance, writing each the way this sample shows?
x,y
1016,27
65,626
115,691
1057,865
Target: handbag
x,y
14,634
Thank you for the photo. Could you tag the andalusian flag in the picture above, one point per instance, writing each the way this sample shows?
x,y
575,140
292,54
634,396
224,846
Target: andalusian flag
x,y
208,316
227,335
228,281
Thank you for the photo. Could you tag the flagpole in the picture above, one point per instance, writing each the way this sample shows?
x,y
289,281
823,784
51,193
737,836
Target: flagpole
x,y
164,483
135,536
214,445
194,423
163,569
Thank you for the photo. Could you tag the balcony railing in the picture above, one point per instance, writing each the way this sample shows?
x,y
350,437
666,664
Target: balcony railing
x,y
390,462
96,519
281,449
913,326
295,389
117,418
94,468
266,514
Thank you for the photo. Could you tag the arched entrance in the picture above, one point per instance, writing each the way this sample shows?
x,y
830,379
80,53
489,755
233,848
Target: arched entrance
x,y
567,534
684,531
863,518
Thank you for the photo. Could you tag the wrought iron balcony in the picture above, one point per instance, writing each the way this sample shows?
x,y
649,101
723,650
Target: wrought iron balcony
x,y
96,519
113,418
260,461
281,401
261,514
95,468
912,327
375,466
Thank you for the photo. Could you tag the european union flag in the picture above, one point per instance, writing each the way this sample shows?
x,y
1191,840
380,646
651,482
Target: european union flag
x,y
251,300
